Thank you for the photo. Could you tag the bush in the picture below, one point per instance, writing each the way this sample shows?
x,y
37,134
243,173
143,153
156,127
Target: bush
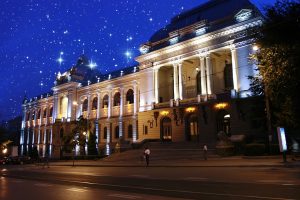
x,y
254,149
225,150
274,149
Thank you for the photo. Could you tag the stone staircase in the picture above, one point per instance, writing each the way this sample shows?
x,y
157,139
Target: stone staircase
x,y
165,151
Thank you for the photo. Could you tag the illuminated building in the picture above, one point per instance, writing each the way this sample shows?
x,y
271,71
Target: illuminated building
x,y
185,88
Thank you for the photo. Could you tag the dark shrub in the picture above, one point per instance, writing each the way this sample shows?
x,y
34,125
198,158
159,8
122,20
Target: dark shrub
x,y
225,150
254,149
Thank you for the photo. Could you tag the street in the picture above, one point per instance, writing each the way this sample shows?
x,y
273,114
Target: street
x,y
66,182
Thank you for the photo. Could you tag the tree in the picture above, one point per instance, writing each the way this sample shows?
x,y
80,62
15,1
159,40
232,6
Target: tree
x,y
278,61
92,150
77,135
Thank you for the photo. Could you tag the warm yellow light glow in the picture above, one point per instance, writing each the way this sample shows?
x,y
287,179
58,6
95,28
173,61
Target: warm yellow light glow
x,y
75,103
255,48
221,105
164,113
190,109
4,151
84,133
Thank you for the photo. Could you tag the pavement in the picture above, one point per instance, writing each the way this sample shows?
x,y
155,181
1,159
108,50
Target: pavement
x,y
233,161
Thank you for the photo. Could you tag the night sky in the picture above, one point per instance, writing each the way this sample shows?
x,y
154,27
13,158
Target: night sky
x,y
38,38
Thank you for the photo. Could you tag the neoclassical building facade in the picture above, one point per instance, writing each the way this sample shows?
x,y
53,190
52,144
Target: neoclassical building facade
x,y
191,82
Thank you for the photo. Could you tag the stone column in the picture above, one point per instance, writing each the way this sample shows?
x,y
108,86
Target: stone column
x,y
180,80
121,101
135,98
89,106
209,74
203,76
70,105
156,85
98,105
55,107
134,129
234,68
109,104
175,80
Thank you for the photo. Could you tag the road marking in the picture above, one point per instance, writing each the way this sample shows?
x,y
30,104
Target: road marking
x,y
184,191
139,176
42,185
195,179
76,190
124,196
281,182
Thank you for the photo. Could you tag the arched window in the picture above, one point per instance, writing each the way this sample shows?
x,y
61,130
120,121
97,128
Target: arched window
x,y
95,103
117,99
50,112
105,101
39,114
105,133
117,135
129,97
45,113
85,105
33,115
28,116
130,131
228,81
199,83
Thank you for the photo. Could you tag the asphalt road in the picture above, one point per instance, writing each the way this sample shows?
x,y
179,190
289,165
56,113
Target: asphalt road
x,y
149,183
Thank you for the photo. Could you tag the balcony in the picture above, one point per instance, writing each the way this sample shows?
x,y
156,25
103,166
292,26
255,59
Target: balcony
x,y
50,120
44,121
39,122
116,111
85,114
28,123
93,114
128,109
104,112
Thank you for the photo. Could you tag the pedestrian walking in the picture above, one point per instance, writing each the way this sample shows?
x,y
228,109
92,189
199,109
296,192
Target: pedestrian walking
x,y
205,152
147,155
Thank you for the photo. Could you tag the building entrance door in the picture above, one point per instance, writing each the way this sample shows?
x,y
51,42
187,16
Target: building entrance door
x,y
166,129
192,133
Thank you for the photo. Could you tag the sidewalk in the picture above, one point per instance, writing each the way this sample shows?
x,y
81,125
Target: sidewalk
x,y
235,161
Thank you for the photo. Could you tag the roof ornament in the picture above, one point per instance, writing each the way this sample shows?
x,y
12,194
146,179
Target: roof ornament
x,y
243,15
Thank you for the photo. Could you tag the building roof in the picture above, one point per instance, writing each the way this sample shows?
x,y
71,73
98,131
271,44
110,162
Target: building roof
x,y
208,12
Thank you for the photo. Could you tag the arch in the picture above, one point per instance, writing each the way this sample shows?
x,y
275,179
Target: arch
x,y
39,114
33,115
27,116
117,133
130,96
166,129
130,131
223,122
50,112
198,82
192,128
95,103
105,102
228,80
85,105
117,98
105,133
45,113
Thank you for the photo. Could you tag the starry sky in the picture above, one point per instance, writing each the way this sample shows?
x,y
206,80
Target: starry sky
x,y
39,38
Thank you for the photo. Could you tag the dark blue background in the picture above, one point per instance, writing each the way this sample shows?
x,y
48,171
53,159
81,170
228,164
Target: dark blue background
x,y
35,33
